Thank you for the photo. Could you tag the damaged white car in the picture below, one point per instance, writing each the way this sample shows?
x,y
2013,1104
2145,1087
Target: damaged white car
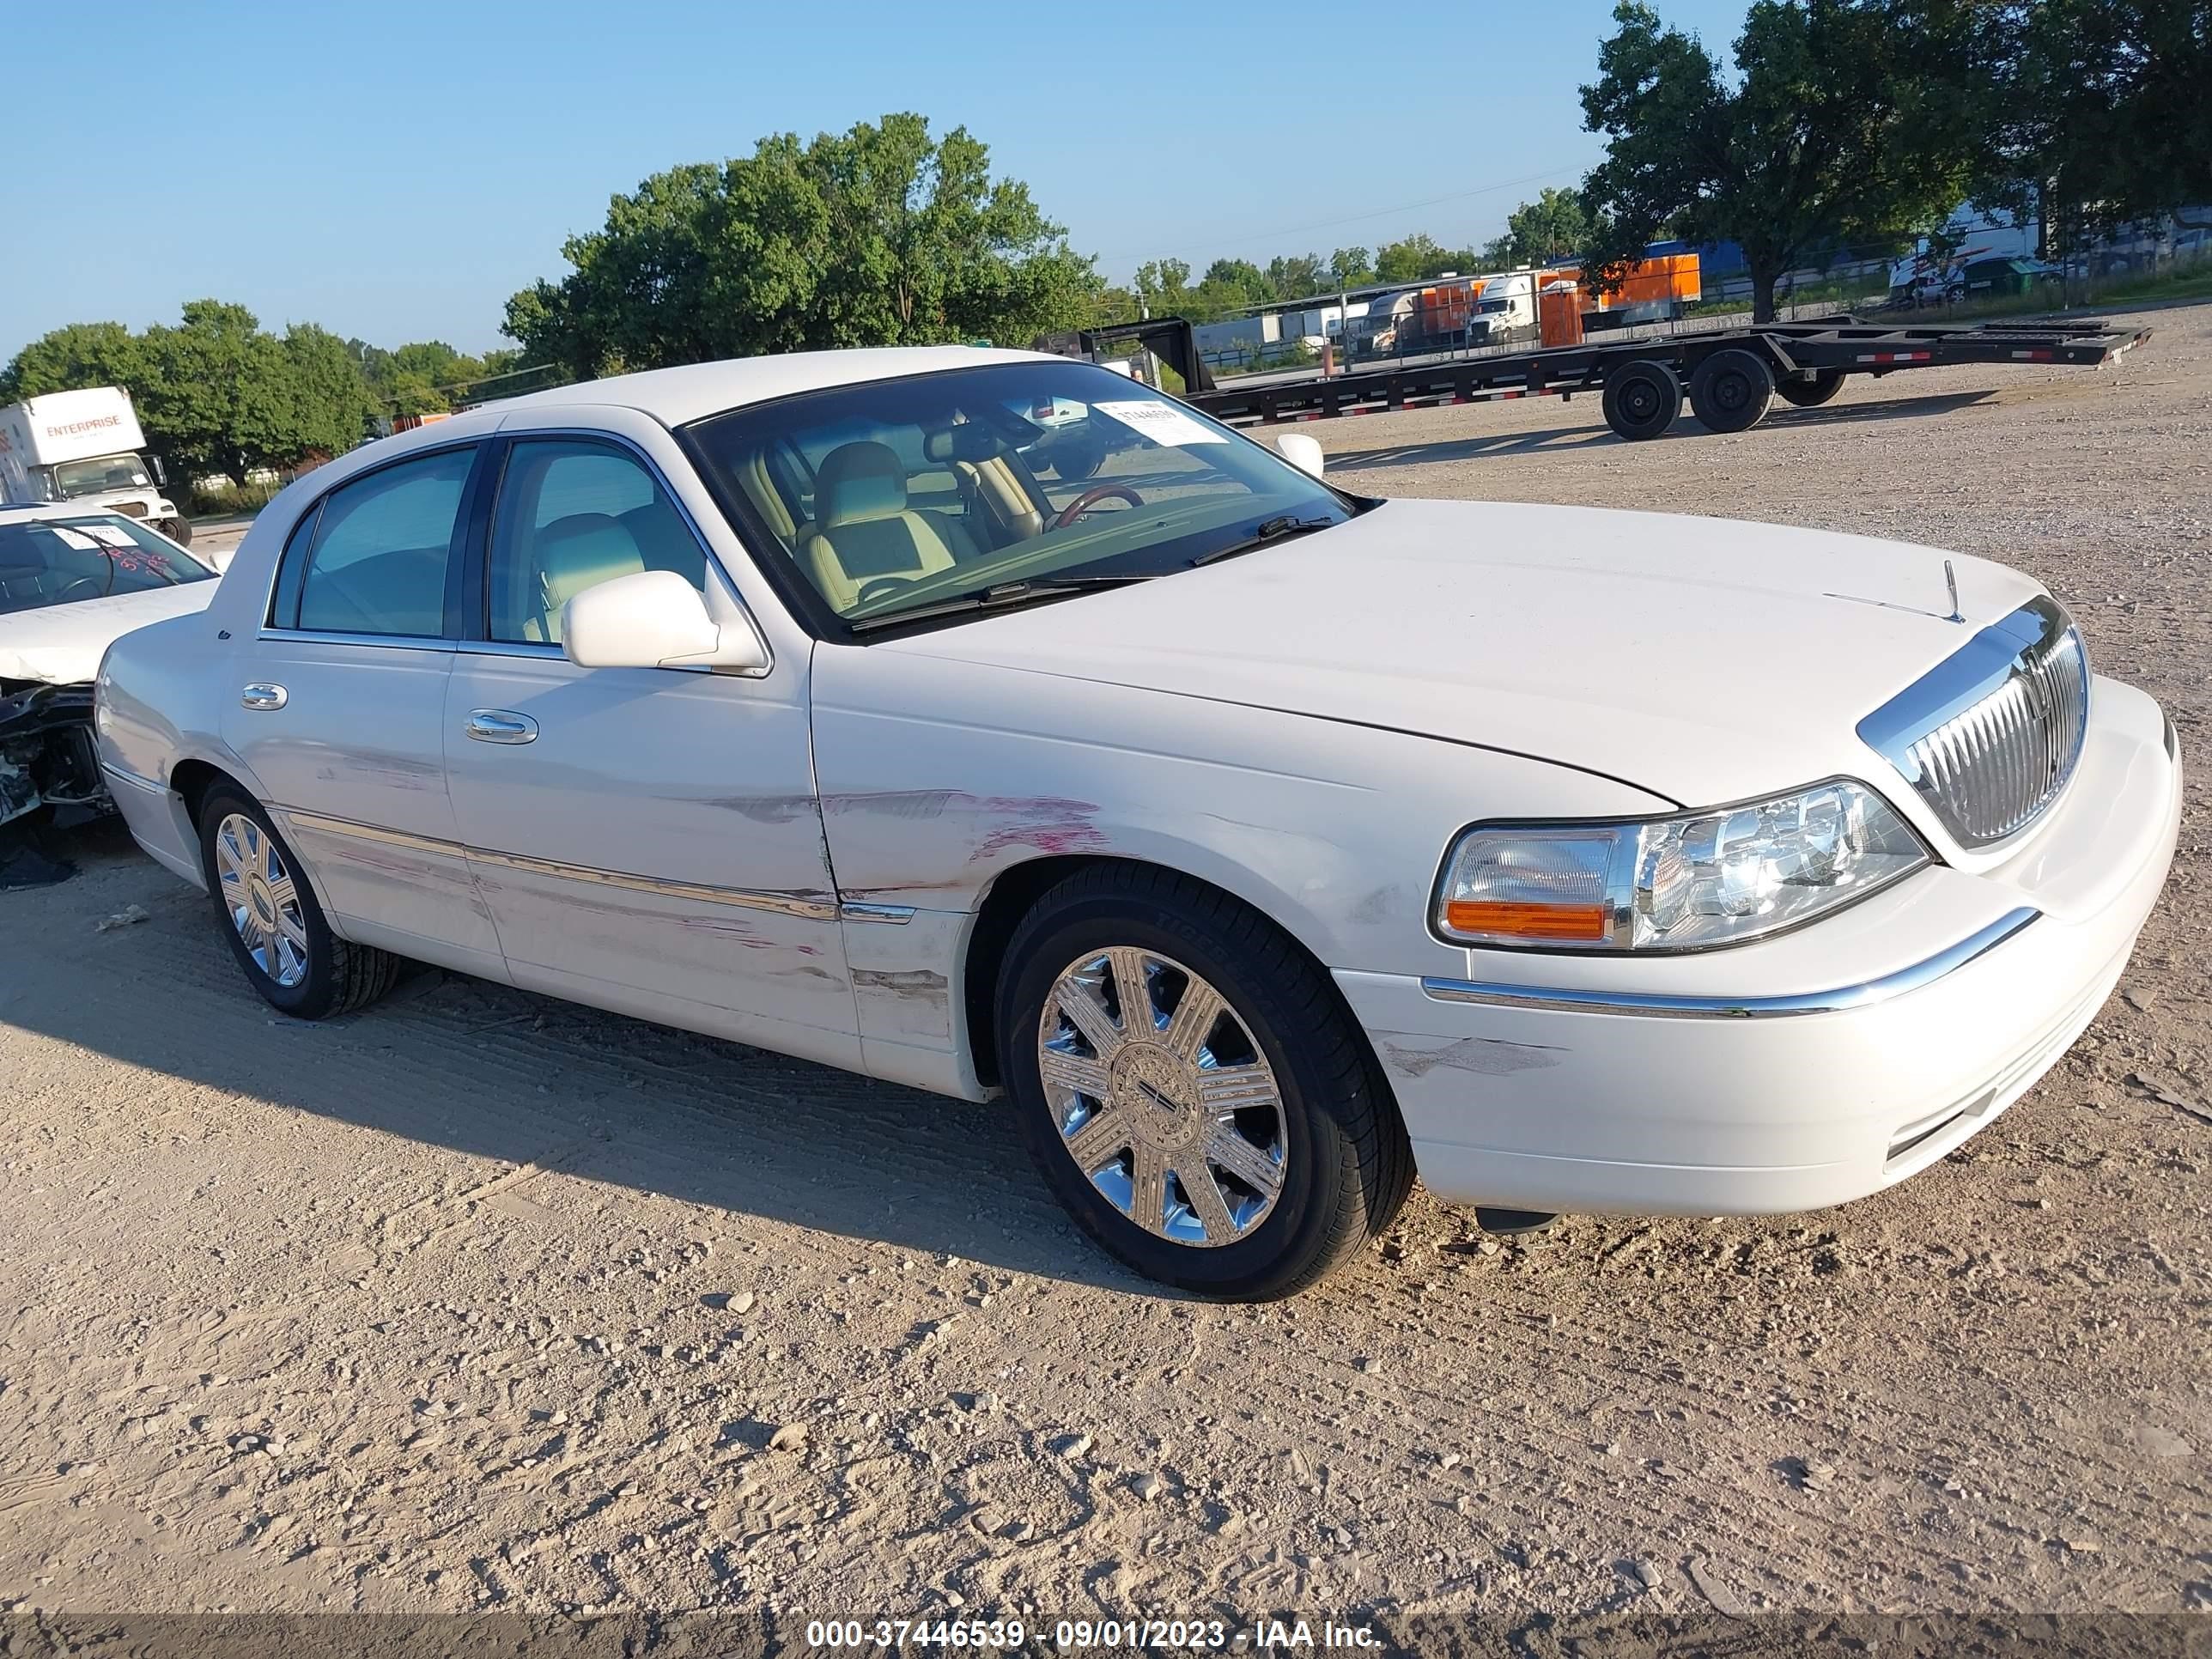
x,y
73,581
1263,843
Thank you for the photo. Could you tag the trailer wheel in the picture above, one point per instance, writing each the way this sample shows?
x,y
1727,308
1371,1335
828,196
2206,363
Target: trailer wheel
x,y
1732,390
1642,399
1811,394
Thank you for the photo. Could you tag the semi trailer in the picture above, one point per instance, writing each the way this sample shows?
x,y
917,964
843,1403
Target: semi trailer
x,y
1729,377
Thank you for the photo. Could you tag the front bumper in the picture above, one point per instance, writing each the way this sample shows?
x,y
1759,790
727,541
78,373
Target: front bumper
x,y
1801,1071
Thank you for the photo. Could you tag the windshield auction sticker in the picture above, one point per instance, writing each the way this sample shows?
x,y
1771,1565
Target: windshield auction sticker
x,y
1164,424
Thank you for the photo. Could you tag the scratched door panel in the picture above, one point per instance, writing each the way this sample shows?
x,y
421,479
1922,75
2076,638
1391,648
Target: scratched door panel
x,y
354,764
656,836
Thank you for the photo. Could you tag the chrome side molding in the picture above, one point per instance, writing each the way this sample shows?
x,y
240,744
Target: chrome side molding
x,y
1656,1005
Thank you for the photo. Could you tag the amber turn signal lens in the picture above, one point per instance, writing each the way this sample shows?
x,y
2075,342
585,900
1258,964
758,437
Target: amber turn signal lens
x,y
1572,924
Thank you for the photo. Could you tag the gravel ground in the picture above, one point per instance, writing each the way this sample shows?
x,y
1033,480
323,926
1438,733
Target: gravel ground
x,y
480,1301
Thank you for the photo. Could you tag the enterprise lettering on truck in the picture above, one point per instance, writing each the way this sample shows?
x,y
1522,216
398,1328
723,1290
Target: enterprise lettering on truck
x,y
74,428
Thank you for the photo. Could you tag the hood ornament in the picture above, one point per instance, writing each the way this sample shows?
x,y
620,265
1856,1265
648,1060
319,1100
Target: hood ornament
x,y
1950,586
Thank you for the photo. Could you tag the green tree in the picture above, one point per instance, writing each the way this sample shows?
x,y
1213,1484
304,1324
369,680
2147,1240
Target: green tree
x,y
1413,258
77,354
881,235
1164,287
1297,276
2096,112
1551,228
1350,267
1244,276
222,398
1846,121
331,402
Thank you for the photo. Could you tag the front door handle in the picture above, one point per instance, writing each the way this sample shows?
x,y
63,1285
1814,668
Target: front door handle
x,y
261,695
500,725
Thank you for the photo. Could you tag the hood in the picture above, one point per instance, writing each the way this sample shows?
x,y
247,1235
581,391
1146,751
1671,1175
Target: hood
x,y
64,643
1707,661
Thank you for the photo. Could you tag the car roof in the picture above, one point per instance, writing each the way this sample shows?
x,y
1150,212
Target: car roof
x,y
672,396
675,395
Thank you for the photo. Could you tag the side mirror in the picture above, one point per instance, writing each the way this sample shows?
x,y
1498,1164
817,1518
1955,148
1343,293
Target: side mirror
x,y
1302,451
652,619
161,476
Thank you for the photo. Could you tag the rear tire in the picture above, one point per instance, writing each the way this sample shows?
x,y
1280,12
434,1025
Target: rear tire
x,y
1811,394
1732,390
1274,1105
1642,399
267,912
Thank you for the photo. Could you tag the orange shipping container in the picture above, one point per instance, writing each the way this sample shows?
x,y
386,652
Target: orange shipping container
x,y
1671,277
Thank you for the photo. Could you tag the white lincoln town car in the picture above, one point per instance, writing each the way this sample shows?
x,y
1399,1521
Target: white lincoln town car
x,y
1263,844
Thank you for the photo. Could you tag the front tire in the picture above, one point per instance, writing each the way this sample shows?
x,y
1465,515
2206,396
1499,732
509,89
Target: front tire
x,y
1642,399
276,930
1192,1087
178,531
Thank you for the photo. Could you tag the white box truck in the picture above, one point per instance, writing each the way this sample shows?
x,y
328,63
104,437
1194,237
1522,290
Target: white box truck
x,y
84,448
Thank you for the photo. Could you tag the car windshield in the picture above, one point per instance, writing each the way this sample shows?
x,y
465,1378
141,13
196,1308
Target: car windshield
x,y
73,478
49,561
902,497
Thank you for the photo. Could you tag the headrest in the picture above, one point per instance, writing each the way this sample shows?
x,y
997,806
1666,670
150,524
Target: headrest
x,y
582,550
859,482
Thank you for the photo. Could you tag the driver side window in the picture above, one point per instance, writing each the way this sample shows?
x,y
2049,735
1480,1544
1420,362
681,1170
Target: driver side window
x,y
574,513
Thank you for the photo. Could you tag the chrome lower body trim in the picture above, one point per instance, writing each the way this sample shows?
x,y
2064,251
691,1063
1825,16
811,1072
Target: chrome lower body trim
x,y
1656,1005
115,774
813,907
353,830
897,915
745,899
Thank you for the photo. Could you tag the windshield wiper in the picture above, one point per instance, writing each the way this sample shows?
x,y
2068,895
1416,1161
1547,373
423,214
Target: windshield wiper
x,y
1268,529
994,597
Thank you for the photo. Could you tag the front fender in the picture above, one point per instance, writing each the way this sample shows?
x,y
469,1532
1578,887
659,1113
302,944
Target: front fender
x,y
936,777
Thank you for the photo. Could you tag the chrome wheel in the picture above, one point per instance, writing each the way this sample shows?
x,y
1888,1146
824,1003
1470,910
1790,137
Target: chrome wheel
x,y
262,900
1162,1097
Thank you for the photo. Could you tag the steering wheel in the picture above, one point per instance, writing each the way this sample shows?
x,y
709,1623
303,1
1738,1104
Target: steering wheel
x,y
1091,498
877,586
70,596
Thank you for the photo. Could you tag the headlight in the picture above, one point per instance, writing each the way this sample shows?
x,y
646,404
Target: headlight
x,y
1679,884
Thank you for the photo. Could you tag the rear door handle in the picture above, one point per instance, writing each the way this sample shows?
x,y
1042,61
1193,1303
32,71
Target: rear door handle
x,y
500,725
261,695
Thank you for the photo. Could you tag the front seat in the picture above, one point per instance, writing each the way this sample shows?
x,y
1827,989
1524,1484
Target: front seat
x,y
863,528
995,495
574,553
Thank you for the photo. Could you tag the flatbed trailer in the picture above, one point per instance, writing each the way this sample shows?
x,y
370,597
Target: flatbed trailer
x,y
1729,376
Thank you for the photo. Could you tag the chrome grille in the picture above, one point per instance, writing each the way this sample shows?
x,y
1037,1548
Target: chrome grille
x,y
1989,736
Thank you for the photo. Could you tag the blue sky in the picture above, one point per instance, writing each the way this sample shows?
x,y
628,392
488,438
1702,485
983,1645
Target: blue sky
x,y
395,171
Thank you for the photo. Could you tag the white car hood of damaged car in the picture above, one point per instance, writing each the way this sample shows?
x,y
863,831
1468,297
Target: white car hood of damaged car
x,y
64,643
1707,661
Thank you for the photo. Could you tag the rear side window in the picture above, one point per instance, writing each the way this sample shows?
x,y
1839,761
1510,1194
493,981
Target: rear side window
x,y
375,557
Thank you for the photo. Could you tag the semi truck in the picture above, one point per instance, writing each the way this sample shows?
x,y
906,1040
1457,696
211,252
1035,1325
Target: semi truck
x,y
85,447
